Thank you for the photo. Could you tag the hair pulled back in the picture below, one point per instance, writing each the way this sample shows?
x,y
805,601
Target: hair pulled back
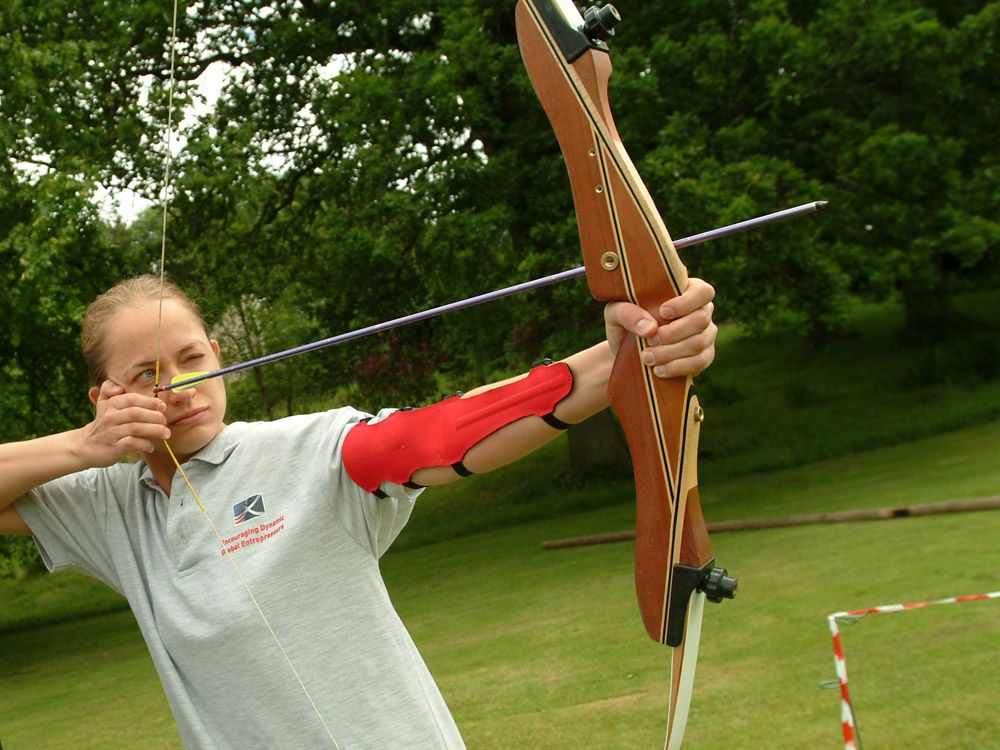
x,y
127,293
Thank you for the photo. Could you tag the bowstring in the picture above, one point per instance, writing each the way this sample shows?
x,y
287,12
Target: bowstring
x,y
165,199
165,190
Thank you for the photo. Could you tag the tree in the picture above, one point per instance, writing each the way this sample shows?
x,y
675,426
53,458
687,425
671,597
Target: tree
x,y
363,161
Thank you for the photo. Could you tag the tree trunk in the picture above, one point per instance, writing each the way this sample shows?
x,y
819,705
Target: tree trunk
x,y
598,442
923,320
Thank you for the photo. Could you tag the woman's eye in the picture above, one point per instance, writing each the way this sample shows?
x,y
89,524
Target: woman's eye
x,y
149,374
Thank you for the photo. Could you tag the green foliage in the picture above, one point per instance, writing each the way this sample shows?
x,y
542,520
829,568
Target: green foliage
x,y
72,87
876,107
55,257
19,558
366,161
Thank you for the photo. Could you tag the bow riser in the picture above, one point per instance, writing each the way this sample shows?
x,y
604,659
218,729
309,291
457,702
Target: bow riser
x,y
629,256
660,421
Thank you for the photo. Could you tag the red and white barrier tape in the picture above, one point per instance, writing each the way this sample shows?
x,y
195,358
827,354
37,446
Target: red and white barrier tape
x,y
846,712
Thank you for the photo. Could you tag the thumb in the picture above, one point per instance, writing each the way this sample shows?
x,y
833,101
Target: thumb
x,y
110,389
632,318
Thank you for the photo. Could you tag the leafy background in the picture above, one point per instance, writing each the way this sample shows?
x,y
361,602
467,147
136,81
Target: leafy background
x,y
362,161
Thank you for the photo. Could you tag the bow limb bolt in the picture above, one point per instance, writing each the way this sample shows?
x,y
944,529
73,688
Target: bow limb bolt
x,y
628,255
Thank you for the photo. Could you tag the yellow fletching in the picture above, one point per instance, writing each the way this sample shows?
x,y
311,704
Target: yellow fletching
x,y
187,376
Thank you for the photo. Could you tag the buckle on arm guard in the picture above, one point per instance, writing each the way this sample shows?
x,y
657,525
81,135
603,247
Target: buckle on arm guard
x,y
441,434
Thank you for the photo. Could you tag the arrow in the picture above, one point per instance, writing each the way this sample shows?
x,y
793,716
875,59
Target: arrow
x,y
191,379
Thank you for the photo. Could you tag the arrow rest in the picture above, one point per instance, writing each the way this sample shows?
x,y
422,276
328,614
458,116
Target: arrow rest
x,y
715,583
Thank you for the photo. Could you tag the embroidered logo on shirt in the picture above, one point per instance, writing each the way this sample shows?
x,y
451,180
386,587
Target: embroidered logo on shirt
x,y
249,509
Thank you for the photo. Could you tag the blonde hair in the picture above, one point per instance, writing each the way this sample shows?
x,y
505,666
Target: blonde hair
x,y
106,306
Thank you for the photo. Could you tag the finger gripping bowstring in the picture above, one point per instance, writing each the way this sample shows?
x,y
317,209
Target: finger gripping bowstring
x,y
165,199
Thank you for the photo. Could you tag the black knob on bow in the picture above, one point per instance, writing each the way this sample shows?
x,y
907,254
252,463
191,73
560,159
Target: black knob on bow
x,y
599,23
715,583
719,585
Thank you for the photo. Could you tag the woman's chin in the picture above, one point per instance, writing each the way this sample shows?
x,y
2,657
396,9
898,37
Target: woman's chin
x,y
186,443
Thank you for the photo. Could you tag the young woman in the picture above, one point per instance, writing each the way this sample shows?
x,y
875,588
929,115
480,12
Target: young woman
x,y
286,503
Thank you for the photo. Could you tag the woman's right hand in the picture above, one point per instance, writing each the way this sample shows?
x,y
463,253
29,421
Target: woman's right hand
x,y
124,423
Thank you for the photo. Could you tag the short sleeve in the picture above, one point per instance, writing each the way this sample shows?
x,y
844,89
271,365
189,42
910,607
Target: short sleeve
x,y
68,518
373,521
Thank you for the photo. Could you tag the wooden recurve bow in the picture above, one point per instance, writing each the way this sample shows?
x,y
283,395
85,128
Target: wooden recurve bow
x,y
629,256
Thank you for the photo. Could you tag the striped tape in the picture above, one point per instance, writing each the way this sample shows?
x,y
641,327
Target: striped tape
x,y
847,722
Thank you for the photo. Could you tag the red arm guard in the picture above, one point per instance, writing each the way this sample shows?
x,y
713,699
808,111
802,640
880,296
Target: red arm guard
x,y
442,433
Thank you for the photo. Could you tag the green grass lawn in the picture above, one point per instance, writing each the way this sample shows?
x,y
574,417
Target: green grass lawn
x,y
545,649
83,684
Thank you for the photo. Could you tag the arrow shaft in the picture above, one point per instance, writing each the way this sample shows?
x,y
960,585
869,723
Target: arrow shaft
x,y
695,239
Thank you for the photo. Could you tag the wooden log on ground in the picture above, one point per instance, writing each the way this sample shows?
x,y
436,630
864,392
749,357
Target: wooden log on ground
x,y
846,516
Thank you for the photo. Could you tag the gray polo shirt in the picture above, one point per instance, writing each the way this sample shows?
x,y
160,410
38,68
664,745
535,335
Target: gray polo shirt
x,y
306,539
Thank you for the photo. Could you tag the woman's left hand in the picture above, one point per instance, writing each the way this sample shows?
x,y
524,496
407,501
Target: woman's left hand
x,y
681,343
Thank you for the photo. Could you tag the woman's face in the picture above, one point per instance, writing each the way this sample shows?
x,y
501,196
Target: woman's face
x,y
195,415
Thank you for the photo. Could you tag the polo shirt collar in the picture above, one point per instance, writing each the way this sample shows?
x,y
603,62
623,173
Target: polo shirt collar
x,y
215,453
